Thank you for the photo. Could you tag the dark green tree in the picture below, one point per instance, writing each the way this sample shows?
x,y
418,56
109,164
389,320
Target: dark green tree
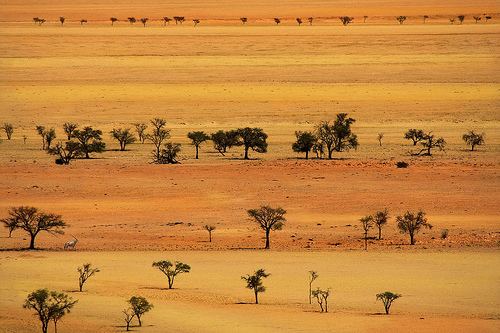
x,y
305,142
415,135
401,19
337,136
473,139
32,221
143,21
66,153
169,154
139,306
268,219
430,142
254,282
69,128
252,138
411,223
124,137
346,20
113,20
197,138
224,140
49,305
50,135
90,140
387,298
171,270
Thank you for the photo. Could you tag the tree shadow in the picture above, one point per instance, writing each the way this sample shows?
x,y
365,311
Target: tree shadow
x,y
376,314
156,288
23,249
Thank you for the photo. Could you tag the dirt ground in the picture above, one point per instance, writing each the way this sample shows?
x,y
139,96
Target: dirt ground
x,y
127,212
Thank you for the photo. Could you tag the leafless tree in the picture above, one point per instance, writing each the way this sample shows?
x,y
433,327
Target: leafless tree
x,y
411,223
85,273
141,128
322,298
313,275
209,228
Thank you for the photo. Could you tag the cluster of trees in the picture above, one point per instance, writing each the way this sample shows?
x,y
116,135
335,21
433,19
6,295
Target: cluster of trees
x,y
428,140
409,223
345,20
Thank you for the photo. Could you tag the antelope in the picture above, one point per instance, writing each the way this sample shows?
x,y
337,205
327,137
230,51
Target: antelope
x,y
71,243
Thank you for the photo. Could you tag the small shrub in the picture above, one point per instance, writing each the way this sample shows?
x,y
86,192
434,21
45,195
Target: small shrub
x,y
402,165
444,234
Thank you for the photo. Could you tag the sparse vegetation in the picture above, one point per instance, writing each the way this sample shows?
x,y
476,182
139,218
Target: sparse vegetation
x,y
41,132
9,129
269,219
430,142
380,219
139,306
299,21
254,282
364,18
62,19
197,138
322,298
425,18
166,21
277,21
387,298
129,316
169,154
171,270
310,19
380,136
49,305
141,128
411,223
179,19
124,137
244,20
50,135
473,139
33,222
132,20
196,22
86,271
83,21
444,233
402,164
401,19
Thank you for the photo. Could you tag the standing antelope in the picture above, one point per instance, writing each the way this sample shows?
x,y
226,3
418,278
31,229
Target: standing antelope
x,y
71,243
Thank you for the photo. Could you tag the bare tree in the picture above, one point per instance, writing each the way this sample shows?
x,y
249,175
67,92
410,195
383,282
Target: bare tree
x,y
141,128
33,222
411,223
85,273
461,18
69,128
269,219
49,305
113,20
346,20
322,298
143,21
124,137
139,305
209,228
254,282
277,21
380,219
473,139
171,270
62,19
129,315
244,20
9,129
415,135
299,21
313,275
379,138
132,20
387,298
367,224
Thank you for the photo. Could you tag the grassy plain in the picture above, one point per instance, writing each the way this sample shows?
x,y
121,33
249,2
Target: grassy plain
x,y
223,75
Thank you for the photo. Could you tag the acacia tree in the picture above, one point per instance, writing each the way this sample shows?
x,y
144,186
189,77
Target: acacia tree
x,y
32,221
415,135
277,21
461,18
169,154
85,273
70,151
430,142
477,18
41,132
401,19
299,21
346,20
224,140
366,223
268,219
83,21
171,270
9,129
179,19
129,315
159,134
364,18
313,275
380,218
166,21
322,298
305,142
62,19
310,19
113,20
244,20
197,138
253,138
139,305
141,128
380,136
49,305
387,298
411,223
209,228
132,20
473,139
69,128
124,137
337,136
196,22
143,21
254,282
50,135
425,18
90,140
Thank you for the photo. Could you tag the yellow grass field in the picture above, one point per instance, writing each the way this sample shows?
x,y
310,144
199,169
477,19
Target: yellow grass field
x,y
222,74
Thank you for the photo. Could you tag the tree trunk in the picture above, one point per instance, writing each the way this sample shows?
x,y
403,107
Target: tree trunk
x,y
412,242
310,292
366,241
246,153
139,319
196,152
32,242
379,232
210,236
256,298
326,305
307,154
472,147
267,239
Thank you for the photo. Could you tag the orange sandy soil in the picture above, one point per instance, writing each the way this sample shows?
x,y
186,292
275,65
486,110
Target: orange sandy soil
x,y
127,212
